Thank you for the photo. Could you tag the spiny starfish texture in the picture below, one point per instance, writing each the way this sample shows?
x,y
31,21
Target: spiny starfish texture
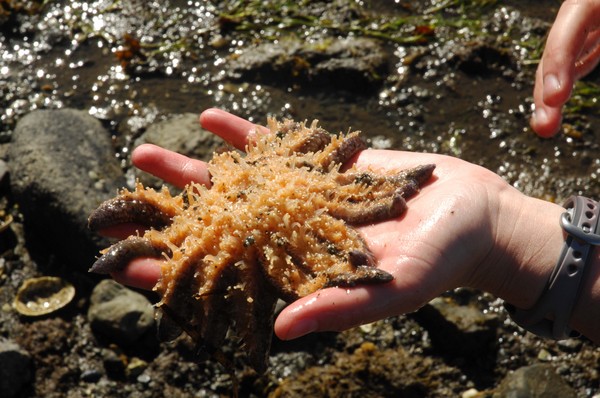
x,y
276,222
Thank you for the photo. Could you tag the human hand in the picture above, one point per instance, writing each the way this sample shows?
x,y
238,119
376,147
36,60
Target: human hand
x,y
463,229
572,51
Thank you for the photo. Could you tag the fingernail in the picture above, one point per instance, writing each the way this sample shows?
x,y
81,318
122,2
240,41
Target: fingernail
x,y
540,116
551,83
301,328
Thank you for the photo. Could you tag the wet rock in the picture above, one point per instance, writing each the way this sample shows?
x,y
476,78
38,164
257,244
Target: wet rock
x,y
534,381
135,368
181,134
353,64
62,166
460,330
120,315
482,59
15,368
91,375
570,345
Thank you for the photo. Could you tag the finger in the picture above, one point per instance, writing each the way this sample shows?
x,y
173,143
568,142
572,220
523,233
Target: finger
x,y
565,43
338,309
545,120
172,167
590,56
231,128
142,273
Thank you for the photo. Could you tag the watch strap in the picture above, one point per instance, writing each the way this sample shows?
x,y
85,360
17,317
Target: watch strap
x,y
551,315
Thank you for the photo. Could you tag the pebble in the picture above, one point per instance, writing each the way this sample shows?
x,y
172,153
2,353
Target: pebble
x,y
534,381
91,375
135,368
120,315
570,345
144,379
15,369
470,393
544,355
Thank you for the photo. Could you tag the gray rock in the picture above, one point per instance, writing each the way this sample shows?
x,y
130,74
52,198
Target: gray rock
x,y
15,368
352,64
535,381
120,315
481,58
461,330
62,166
181,134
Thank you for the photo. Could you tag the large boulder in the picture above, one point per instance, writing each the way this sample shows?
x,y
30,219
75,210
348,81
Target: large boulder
x,y
62,166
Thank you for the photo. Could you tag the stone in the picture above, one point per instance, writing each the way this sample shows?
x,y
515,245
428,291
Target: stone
x,y
120,315
62,166
135,368
461,330
182,134
534,381
357,65
15,370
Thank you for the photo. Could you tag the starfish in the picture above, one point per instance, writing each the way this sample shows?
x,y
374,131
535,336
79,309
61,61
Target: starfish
x,y
277,222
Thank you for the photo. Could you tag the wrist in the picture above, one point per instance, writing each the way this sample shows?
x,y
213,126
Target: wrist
x,y
528,242
527,256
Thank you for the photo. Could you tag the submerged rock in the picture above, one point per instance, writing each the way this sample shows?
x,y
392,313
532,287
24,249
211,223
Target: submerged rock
x,y
62,166
353,64
481,58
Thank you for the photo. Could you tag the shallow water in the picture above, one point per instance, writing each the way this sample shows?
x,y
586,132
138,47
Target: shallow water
x,y
74,54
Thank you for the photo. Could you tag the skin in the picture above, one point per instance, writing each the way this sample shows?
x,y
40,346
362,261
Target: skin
x,y
572,51
468,227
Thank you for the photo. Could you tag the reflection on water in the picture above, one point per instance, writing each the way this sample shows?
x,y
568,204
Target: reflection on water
x,y
460,77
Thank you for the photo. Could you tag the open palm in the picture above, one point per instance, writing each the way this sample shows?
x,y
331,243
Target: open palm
x,y
447,237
